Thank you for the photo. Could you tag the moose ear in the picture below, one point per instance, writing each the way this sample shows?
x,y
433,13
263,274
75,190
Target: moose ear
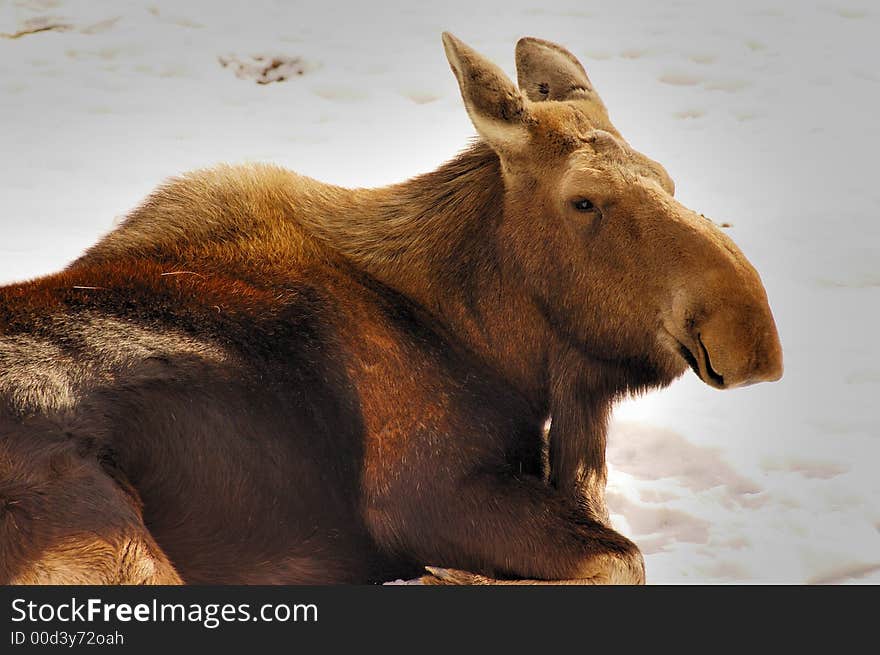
x,y
547,71
496,107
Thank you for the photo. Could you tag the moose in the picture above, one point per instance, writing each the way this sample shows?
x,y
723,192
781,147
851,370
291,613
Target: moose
x,y
259,378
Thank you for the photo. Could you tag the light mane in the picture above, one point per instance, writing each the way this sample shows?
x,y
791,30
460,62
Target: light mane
x,y
423,228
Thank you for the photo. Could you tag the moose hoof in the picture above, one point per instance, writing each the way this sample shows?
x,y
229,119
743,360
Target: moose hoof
x,y
626,569
441,576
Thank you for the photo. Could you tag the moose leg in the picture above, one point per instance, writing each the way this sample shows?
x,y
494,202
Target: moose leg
x,y
580,547
588,484
113,547
577,437
124,559
505,527
65,520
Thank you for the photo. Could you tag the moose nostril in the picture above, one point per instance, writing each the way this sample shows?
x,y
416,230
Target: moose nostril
x,y
714,375
689,357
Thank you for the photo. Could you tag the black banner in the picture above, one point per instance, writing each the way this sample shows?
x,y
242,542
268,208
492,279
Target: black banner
x,y
266,619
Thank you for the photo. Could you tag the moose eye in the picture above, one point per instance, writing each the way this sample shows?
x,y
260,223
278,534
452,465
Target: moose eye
x,y
584,205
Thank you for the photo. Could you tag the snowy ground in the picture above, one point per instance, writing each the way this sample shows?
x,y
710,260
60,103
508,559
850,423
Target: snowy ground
x,y
765,113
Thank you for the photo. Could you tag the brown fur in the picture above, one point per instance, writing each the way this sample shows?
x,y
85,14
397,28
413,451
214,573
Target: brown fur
x,y
278,380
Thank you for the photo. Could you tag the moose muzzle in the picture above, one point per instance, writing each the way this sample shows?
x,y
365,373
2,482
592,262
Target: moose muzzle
x,y
734,347
731,341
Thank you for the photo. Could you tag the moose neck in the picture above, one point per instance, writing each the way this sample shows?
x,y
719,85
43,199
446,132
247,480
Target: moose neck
x,y
434,239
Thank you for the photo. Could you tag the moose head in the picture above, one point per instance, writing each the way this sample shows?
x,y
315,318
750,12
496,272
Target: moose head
x,y
593,227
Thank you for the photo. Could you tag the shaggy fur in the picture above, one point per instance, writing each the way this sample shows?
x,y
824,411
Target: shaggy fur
x,y
260,378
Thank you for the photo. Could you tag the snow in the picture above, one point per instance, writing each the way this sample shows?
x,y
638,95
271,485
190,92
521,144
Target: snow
x,y
763,112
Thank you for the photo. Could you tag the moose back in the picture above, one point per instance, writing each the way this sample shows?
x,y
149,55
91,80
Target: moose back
x,y
261,378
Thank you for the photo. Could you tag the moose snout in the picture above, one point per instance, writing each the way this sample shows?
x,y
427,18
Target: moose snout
x,y
720,317
735,347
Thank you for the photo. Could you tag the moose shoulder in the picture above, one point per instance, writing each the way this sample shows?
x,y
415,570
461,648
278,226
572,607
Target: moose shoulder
x,y
260,378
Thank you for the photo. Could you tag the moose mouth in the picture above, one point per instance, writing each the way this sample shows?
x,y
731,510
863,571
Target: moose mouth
x,y
701,363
